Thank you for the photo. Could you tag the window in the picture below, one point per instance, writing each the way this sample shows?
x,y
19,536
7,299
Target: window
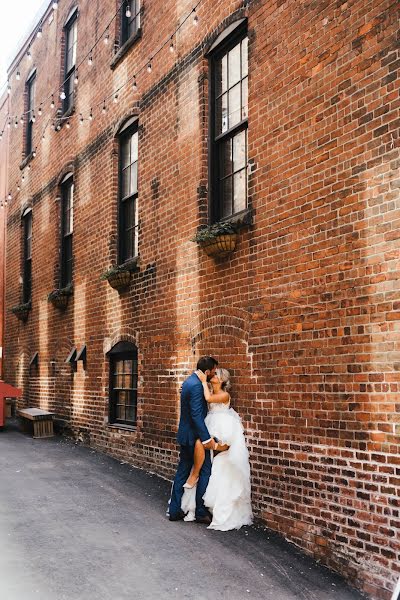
x,y
30,89
71,39
130,20
27,266
123,383
67,224
128,204
229,98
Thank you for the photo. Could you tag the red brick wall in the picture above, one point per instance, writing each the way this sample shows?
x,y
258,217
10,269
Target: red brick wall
x,y
305,312
4,102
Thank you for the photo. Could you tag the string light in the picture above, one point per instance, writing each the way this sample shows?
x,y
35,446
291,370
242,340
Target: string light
x,y
90,60
55,5
29,54
9,197
91,115
68,125
33,118
149,67
39,31
52,105
76,78
18,187
63,95
134,84
34,153
1,135
106,38
18,76
116,98
16,123
171,46
104,109
21,119
9,123
40,111
9,89
128,13
195,18
81,119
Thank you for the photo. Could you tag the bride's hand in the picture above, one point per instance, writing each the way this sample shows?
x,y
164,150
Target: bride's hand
x,y
202,376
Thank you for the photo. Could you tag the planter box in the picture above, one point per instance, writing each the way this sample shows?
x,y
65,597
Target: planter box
x,y
120,281
221,245
60,302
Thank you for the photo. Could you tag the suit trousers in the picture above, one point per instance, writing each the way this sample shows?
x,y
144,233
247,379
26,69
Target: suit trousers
x,y
182,473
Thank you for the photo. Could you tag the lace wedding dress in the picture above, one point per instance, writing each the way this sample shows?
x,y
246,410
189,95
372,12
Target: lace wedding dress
x,y
228,491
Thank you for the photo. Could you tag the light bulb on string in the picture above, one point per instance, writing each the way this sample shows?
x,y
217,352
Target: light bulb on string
x,y
128,12
104,109
115,98
171,46
29,55
55,5
18,187
52,105
43,137
195,17
81,119
21,119
106,38
9,197
149,67
63,95
9,89
90,60
134,84
33,118
9,123
16,123
23,178
29,167
39,32
76,78
58,127
91,115
40,111
68,125
34,153
1,136
18,76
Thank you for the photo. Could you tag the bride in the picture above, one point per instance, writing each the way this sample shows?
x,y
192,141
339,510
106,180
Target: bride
x,y
228,491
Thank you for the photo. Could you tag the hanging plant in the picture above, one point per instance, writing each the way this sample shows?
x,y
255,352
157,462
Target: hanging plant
x,y
59,297
217,240
21,311
118,277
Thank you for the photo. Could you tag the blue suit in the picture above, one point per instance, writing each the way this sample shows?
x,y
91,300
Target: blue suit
x,y
191,427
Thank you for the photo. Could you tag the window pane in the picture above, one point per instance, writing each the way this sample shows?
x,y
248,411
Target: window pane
x,y
239,191
239,151
134,147
125,152
226,158
133,181
221,113
226,196
221,76
245,44
130,413
244,99
234,106
234,66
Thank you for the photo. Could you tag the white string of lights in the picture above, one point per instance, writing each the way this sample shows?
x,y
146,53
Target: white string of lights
x,y
57,121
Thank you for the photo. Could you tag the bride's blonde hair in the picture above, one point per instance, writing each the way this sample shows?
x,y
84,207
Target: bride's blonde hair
x,y
225,377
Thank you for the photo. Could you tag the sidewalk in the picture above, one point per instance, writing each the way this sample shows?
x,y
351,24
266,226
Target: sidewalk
x,y
78,525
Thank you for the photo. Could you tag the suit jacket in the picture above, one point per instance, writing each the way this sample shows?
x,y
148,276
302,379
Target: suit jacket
x,y
193,412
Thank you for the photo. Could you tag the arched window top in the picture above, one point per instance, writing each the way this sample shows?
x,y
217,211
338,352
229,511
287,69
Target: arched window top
x,y
227,32
26,211
72,15
66,177
31,75
127,124
122,348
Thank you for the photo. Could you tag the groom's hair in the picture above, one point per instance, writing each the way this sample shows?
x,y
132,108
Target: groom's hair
x,y
206,363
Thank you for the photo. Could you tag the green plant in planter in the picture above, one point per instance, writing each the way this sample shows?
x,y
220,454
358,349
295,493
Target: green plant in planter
x,y
118,276
21,311
59,297
218,239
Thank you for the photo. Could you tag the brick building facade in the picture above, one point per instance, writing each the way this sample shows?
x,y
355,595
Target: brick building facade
x,y
153,137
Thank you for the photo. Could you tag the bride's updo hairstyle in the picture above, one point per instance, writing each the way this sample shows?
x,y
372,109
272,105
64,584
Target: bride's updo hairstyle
x,y
225,377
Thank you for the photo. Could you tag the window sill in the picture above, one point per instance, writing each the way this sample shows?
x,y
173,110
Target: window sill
x,y
124,49
132,264
241,219
132,428
61,120
26,161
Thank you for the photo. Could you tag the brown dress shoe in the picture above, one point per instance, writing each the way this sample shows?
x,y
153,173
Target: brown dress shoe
x,y
206,519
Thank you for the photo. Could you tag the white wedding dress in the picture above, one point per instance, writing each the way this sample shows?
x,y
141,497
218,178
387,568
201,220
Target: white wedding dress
x,y
228,491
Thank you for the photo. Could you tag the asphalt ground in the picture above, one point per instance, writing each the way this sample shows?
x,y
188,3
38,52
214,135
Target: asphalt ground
x,y
76,524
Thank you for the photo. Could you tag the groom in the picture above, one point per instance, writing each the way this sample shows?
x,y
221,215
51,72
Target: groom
x,y
192,427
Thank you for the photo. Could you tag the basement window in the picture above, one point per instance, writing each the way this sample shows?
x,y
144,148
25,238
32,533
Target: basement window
x,y
123,383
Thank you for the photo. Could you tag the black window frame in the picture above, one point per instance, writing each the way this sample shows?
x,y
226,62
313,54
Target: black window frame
x,y
27,257
124,242
67,209
30,90
121,353
125,22
216,141
69,72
